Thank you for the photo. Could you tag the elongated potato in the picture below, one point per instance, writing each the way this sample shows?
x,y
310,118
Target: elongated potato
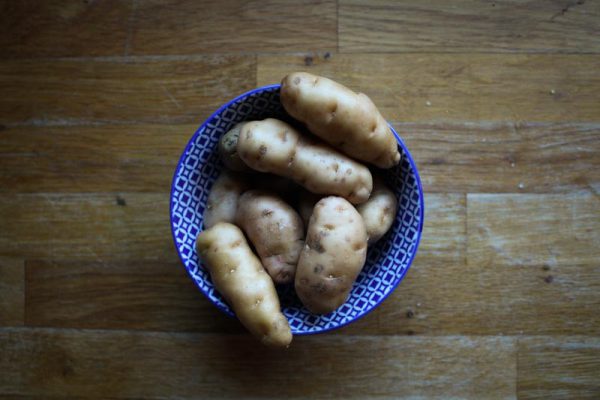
x,y
239,276
334,253
228,150
276,147
276,231
347,120
222,202
379,211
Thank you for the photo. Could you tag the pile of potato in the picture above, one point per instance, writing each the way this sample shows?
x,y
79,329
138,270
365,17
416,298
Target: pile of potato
x,y
306,203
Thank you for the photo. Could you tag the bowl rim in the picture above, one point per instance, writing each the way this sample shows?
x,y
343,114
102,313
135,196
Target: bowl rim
x,y
231,315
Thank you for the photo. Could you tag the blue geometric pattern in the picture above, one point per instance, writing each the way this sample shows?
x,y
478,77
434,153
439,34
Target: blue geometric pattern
x,y
387,261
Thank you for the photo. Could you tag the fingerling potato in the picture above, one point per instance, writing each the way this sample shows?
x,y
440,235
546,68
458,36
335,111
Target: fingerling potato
x,y
333,255
276,231
276,147
222,202
239,276
228,150
347,120
379,211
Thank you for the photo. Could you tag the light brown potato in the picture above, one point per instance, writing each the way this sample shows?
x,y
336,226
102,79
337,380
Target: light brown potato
x,y
222,202
276,231
276,147
239,276
347,120
306,204
333,256
379,211
228,150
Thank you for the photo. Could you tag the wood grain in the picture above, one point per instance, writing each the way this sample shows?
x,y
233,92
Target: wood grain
x,y
565,367
83,91
160,296
558,230
477,157
504,157
440,297
108,158
444,230
497,100
120,364
63,28
12,291
473,26
99,227
460,87
186,27
533,271
150,295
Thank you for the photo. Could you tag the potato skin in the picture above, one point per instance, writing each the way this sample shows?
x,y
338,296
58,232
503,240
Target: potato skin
x,y
239,276
276,147
333,256
228,149
276,231
379,211
347,120
222,202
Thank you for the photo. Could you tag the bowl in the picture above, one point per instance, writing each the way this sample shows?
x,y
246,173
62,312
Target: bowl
x,y
387,261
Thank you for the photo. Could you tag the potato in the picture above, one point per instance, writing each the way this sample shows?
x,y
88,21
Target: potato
x,y
228,150
276,147
276,231
222,202
334,253
347,120
239,276
306,204
379,211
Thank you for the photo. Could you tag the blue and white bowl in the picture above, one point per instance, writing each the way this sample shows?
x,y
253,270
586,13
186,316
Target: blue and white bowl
x,y
387,261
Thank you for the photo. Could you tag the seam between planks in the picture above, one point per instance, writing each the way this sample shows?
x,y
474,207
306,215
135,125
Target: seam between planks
x,y
196,56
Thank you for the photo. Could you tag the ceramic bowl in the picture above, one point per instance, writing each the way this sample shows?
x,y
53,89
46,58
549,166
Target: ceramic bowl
x,y
387,261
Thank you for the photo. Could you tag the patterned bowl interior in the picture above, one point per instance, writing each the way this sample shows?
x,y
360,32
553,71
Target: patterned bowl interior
x,y
387,261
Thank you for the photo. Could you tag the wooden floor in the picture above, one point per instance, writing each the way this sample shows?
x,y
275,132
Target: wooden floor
x,y
498,101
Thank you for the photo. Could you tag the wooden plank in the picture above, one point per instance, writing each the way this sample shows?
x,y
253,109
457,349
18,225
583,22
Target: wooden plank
x,y
444,231
460,87
504,157
126,226
21,397
12,291
120,364
477,157
473,26
565,367
108,158
150,295
160,296
216,26
534,270
442,294
556,230
63,28
439,297
80,91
